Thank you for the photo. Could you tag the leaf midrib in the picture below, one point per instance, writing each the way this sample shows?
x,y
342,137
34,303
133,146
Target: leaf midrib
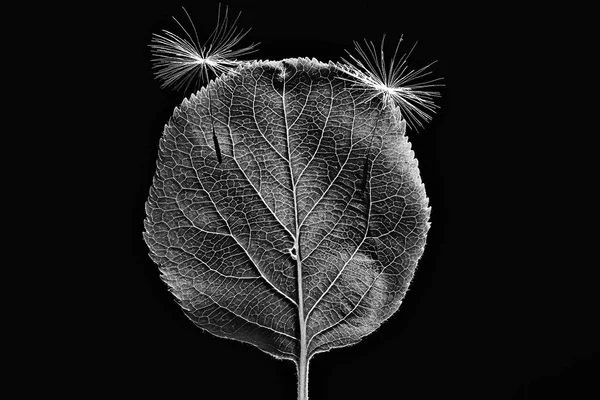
x,y
300,305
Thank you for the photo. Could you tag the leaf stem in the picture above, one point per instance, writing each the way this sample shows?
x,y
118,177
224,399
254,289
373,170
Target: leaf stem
x,y
303,359
303,376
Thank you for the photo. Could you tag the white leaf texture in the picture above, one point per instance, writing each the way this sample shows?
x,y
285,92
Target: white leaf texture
x,y
287,210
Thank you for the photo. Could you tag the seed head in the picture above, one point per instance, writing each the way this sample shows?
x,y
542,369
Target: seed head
x,y
178,61
393,82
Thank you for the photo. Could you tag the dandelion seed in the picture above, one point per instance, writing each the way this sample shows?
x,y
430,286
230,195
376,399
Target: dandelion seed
x,y
181,60
393,82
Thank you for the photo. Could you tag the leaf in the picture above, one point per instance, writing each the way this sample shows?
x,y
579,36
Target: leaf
x,y
287,210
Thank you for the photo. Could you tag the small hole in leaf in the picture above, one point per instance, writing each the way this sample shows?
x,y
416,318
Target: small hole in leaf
x,y
293,253
217,147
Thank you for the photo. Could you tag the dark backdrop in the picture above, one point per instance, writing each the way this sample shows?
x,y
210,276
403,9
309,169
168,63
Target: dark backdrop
x,y
491,313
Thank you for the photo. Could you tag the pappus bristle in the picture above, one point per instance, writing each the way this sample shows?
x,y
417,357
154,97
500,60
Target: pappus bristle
x,y
393,81
180,60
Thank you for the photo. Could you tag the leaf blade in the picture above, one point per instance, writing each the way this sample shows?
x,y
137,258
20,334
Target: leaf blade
x,y
304,232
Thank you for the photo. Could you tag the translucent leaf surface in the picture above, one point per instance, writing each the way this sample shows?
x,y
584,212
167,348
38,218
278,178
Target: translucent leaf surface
x,y
286,211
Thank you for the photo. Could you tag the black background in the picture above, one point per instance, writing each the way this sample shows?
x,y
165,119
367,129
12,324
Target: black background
x,y
496,309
